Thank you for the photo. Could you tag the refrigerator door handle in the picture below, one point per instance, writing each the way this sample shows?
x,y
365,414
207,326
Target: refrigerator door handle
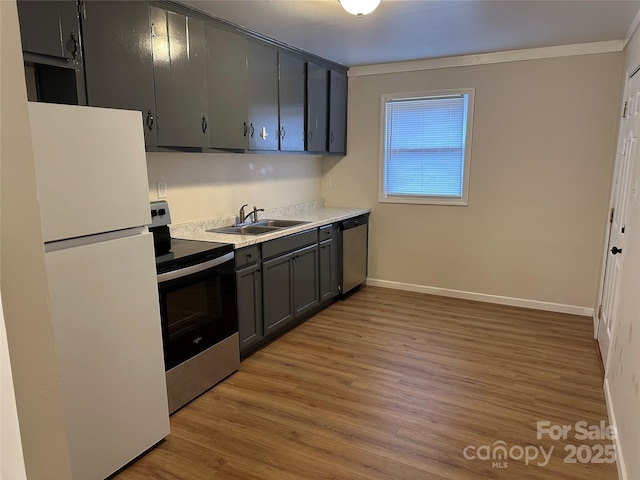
x,y
200,267
95,238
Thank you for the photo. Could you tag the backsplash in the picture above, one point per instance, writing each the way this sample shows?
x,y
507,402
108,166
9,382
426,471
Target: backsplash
x,y
204,186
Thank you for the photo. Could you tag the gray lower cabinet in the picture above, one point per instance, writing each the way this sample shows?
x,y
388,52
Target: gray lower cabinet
x,y
328,263
249,295
277,292
180,74
284,280
289,278
249,287
119,62
290,287
305,280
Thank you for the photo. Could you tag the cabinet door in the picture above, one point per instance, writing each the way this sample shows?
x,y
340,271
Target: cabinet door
x,y
227,89
291,102
337,112
316,108
180,72
305,279
249,285
50,28
277,290
118,60
328,256
262,66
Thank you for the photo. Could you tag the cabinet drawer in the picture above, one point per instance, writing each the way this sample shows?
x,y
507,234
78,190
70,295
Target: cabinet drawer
x,y
326,233
289,243
247,255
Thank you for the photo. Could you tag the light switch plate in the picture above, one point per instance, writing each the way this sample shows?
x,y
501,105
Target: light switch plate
x,y
328,181
162,189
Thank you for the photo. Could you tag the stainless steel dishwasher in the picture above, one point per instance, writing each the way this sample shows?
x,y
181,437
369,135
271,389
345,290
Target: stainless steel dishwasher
x,y
354,234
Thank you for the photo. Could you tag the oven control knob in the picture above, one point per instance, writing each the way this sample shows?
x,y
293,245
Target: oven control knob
x,y
162,211
154,213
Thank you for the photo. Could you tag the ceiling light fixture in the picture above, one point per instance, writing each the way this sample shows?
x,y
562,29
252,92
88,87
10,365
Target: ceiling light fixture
x,y
359,8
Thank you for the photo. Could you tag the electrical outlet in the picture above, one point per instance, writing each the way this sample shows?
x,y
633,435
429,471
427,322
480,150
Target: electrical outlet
x,y
328,181
162,189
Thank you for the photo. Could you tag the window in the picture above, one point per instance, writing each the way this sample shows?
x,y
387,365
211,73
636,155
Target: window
x,y
426,147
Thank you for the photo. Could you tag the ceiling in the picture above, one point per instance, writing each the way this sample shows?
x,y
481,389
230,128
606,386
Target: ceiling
x,y
401,30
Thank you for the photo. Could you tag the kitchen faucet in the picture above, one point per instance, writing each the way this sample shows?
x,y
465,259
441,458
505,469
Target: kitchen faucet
x,y
242,217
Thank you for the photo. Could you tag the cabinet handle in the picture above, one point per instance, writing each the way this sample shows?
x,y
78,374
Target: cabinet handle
x,y
331,137
251,128
72,45
283,133
204,124
310,135
244,126
149,120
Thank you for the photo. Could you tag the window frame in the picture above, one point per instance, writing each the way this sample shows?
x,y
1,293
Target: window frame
x,y
463,200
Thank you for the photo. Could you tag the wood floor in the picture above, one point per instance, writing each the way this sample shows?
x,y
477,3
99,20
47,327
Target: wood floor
x,y
395,385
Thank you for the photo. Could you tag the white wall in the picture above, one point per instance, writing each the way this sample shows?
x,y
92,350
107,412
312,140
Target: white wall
x,y
542,157
23,277
623,369
212,185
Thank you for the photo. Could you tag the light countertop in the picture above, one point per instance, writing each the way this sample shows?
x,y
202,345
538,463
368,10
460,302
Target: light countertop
x,y
314,213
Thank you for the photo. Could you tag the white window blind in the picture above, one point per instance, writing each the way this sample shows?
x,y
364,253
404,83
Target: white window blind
x,y
425,146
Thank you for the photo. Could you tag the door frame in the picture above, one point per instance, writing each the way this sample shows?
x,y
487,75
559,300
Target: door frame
x,y
634,69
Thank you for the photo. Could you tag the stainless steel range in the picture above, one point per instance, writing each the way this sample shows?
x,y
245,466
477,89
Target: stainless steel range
x,y
197,290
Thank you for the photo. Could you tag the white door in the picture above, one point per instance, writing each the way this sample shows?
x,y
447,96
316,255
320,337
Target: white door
x,y
624,188
106,316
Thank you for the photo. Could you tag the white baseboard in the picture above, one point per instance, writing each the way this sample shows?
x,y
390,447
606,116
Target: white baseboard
x,y
622,470
483,297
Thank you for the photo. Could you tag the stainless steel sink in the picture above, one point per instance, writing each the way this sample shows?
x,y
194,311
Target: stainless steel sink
x,y
279,223
259,228
245,230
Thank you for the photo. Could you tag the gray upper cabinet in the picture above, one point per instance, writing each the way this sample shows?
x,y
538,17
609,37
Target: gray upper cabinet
x,y
227,80
262,68
317,93
180,73
337,112
291,102
198,82
50,28
119,62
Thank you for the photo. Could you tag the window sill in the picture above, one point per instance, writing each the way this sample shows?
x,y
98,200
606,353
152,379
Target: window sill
x,y
415,200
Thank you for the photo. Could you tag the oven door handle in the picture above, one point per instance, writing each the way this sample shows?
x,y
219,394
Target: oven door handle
x,y
183,272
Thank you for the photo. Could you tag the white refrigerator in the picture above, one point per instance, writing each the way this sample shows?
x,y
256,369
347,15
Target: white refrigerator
x,y
92,186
